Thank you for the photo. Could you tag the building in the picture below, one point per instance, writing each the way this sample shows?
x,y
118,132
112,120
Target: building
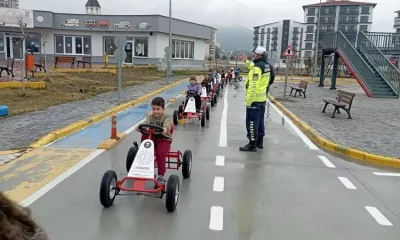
x,y
350,17
93,7
276,37
9,3
397,22
67,34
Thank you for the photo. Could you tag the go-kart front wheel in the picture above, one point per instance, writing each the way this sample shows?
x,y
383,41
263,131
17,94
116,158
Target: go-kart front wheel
x,y
187,164
130,157
203,120
172,193
175,117
215,99
212,102
208,113
108,188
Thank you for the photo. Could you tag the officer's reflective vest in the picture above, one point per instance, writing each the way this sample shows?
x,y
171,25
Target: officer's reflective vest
x,y
257,81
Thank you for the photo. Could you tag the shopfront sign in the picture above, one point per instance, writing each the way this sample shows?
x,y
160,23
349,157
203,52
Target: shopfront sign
x,y
11,17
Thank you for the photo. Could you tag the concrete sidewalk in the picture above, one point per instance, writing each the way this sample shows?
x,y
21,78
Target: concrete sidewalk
x,y
374,127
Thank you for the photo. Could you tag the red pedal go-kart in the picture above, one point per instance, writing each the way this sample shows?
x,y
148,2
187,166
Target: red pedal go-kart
x,y
209,96
189,111
140,164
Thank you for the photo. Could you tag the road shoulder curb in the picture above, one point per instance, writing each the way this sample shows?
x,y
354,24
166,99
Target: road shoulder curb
x,y
334,147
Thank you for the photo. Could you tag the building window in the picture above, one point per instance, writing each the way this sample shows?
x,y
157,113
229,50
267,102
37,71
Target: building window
x,y
363,28
352,28
310,20
309,37
308,45
1,43
343,28
78,45
311,11
32,43
109,46
182,49
141,45
310,29
307,54
328,28
364,19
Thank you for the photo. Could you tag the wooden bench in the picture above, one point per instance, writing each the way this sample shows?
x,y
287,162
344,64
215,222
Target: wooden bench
x,y
344,100
64,59
41,64
300,89
9,67
85,60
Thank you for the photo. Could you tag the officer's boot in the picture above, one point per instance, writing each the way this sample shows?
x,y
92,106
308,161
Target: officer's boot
x,y
250,147
260,143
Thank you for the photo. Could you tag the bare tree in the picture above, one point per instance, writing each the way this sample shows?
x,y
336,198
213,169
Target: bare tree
x,y
22,21
44,39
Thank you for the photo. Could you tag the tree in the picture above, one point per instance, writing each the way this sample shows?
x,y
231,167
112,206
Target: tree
x,y
22,22
43,38
308,62
224,57
232,58
217,54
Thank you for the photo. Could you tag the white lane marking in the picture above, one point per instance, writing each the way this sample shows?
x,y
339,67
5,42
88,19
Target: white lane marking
x,y
218,185
326,162
35,196
346,182
303,137
137,124
387,174
223,134
379,217
217,218
220,161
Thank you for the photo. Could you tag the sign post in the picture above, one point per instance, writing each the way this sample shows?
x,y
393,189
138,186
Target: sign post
x,y
120,56
287,53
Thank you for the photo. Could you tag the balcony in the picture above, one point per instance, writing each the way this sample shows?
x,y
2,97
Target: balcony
x,y
311,14
309,40
274,32
332,22
355,21
256,32
353,12
329,13
295,44
255,38
310,31
308,48
295,38
274,38
296,32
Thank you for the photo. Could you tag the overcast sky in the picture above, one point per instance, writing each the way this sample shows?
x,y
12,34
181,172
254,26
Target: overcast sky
x,y
216,13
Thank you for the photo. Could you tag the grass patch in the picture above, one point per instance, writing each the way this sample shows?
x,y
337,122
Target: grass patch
x,y
73,87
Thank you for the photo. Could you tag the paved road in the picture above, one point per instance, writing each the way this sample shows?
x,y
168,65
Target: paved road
x,y
288,190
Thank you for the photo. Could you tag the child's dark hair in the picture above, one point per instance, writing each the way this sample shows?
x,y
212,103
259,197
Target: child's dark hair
x,y
158,101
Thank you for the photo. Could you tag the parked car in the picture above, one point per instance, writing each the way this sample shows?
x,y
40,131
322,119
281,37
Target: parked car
x,y
103,24
125,25
143,25
70,23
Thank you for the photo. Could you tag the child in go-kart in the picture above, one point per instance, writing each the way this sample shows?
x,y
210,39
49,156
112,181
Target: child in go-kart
x,y
194,86
207,83
162,143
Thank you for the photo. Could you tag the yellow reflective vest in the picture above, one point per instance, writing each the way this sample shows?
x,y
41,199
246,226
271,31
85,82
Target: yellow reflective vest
x,y
257,81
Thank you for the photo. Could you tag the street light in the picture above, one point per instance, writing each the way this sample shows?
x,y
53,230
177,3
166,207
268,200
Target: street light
x,y
317,42
170,43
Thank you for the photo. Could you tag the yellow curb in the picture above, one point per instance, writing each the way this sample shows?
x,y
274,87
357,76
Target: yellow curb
x,y
172,100
33,85
337,148
110,143
182,92
74,127
85,70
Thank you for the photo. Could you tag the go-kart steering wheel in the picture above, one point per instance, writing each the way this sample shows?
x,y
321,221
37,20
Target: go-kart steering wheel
x,y
191,92
143,127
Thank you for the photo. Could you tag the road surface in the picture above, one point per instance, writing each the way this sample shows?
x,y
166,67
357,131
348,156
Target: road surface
x,y
289,190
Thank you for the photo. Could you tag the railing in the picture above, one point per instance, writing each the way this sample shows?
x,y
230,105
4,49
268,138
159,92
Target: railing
x,y
389,72
385,42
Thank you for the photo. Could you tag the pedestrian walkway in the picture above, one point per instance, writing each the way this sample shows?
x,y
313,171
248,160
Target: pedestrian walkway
x,y
374,127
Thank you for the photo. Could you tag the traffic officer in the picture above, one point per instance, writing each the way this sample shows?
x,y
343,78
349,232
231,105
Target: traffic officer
x,y
256,96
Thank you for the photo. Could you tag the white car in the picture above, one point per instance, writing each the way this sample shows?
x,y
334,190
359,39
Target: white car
x,y
125,25
143,25
74,23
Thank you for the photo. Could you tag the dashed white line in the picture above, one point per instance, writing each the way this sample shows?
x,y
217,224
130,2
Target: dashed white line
x,y
326,162
217,218
220,161
387,174
303,137
223,142
379,217
346,182
35,196
218,185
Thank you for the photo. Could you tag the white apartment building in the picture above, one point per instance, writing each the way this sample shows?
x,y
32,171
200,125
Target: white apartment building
x,y
276,37
350,17
397,22
9,3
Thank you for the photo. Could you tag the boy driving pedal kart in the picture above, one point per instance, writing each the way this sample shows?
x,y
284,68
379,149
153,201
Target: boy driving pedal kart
x,y
193,87
162,143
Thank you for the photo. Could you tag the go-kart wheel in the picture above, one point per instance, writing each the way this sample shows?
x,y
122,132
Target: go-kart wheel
x,y
215,99
108,188
130,157
187,164
180,109
208,113
203,120
175,117
212,102
172,193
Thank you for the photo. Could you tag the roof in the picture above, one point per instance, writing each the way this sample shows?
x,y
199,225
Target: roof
x,y
339,3
397,11
93,3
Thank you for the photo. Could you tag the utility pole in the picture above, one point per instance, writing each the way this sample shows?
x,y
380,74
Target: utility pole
x,y
170,43
317,40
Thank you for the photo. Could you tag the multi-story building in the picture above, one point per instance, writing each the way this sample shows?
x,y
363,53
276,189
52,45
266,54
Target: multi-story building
x,y
9,3
341,15
397,22
276,37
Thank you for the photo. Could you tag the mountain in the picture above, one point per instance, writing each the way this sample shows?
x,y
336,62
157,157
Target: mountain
x,y
235,38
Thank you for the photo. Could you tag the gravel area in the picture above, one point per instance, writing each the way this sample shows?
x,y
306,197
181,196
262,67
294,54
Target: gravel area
x,y
20,131
375,126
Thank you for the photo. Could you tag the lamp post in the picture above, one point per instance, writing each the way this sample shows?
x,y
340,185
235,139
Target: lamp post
x,y
317,41
170,43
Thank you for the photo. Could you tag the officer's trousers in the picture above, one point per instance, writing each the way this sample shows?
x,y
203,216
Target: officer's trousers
x,y
255,121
